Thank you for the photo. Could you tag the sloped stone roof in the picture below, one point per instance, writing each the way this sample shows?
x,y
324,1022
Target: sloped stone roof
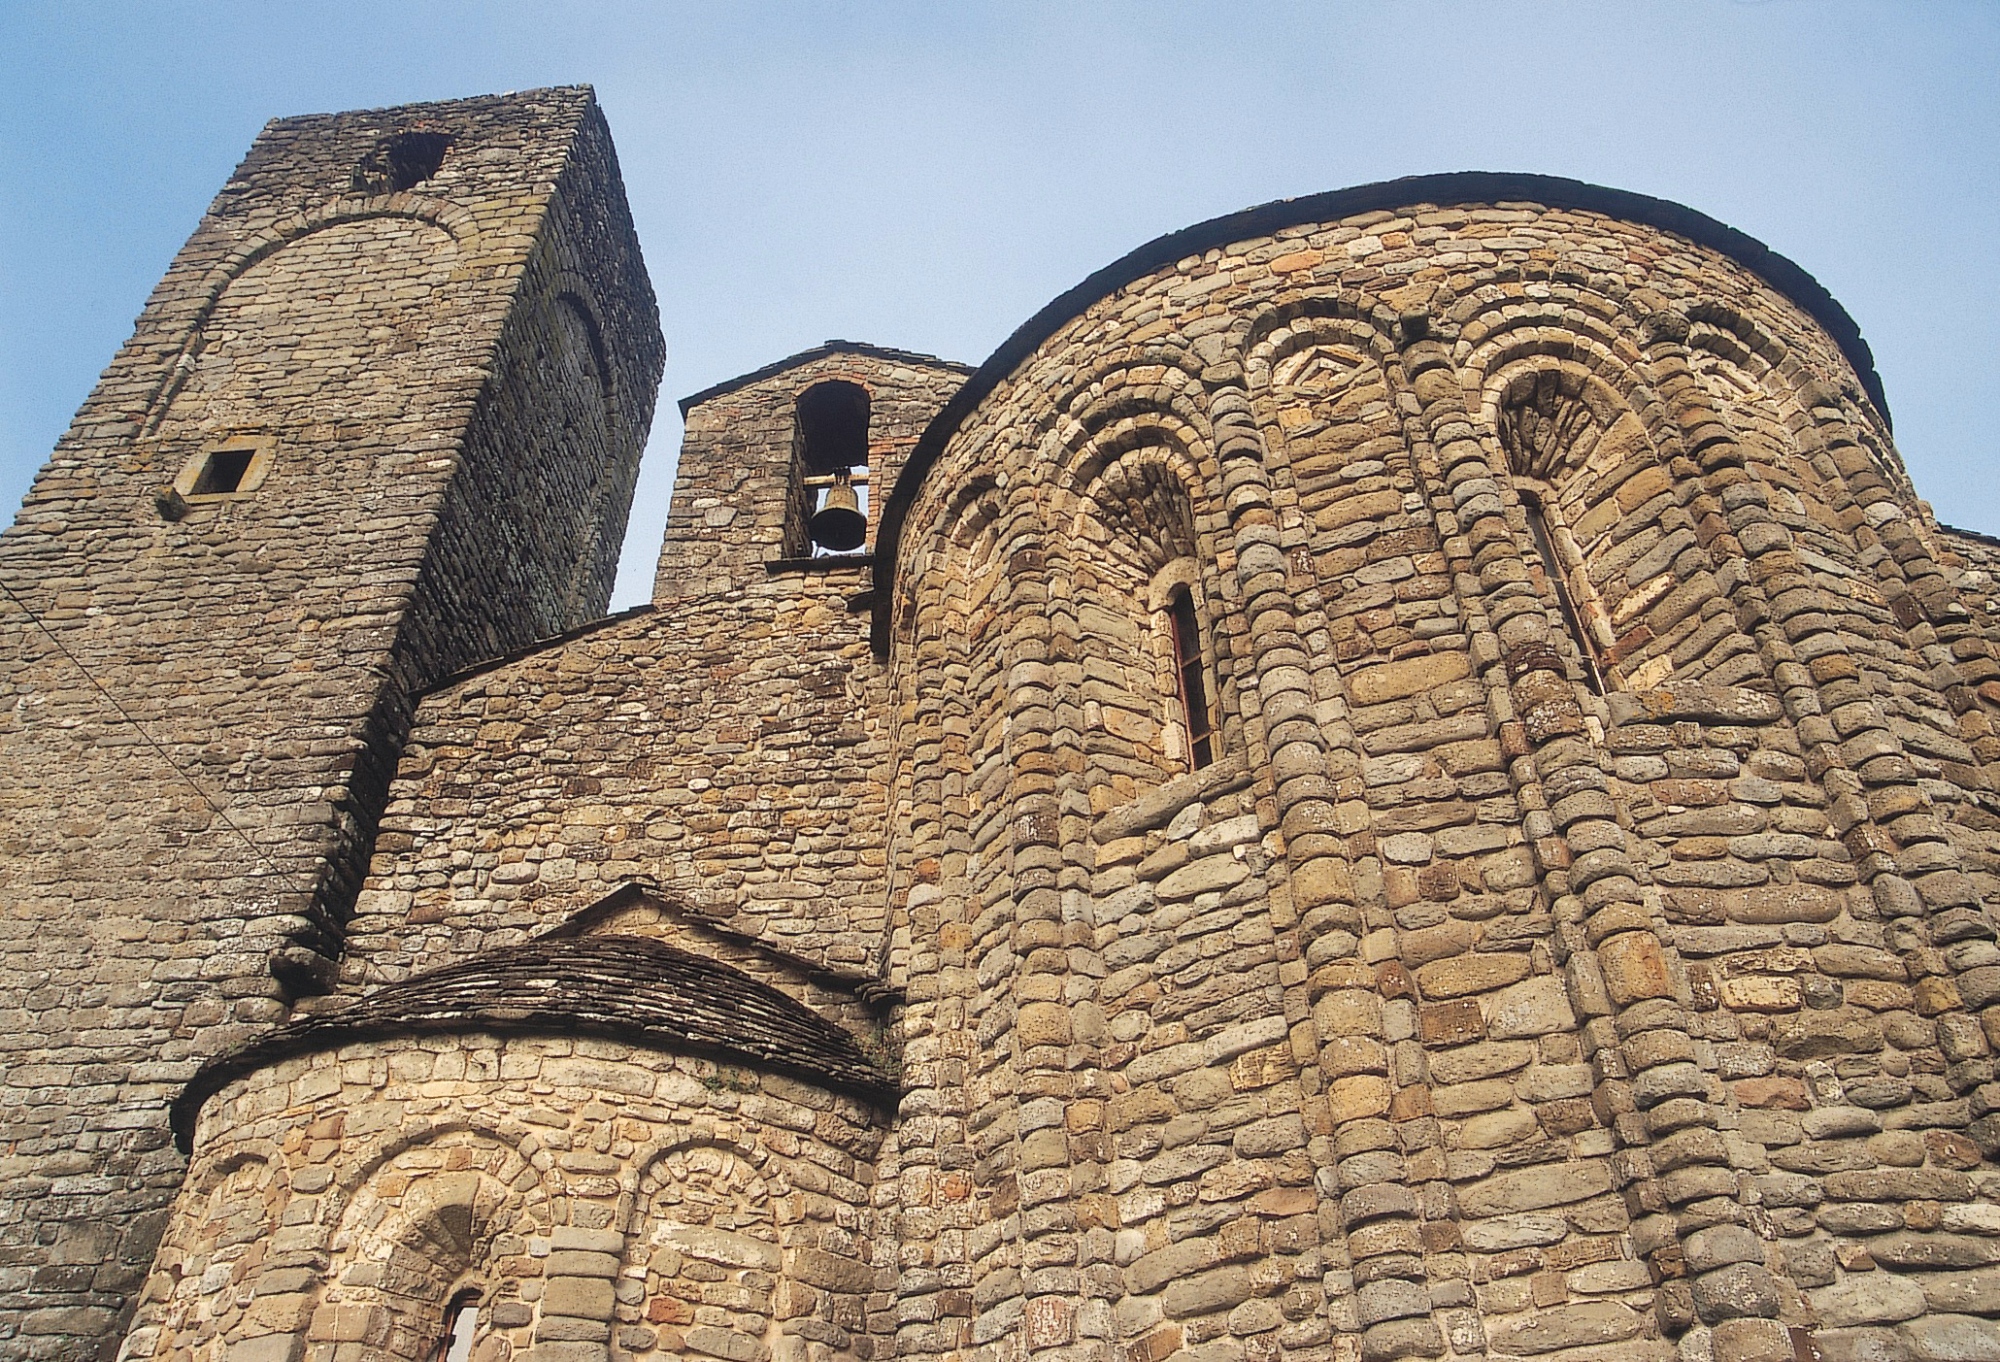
x,y
625,988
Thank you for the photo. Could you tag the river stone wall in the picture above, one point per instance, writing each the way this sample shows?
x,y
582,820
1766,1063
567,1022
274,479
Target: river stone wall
x,y
1458,1009
602,1201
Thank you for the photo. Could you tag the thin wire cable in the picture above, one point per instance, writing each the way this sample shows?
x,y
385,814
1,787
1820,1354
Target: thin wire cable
x,y
140,729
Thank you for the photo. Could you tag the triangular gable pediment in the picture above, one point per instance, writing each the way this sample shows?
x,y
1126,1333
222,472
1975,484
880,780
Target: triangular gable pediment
x,y
637,908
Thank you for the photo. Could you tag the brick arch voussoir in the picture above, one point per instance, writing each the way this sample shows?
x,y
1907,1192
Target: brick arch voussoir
x,y
206,1173
1120,430
1746,332
1815,411
999,446
1342,321
1121,392
457,221
1482,316
1140,458
981,529
574,292
412,1227
941,522
1507,382
946,534
1826,418
206,1176
1615,382
1178,365
422,1222
1723,328
515,1137
1133,454
1557,334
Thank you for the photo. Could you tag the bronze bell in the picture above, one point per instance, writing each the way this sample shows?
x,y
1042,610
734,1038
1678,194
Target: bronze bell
x,y
838,523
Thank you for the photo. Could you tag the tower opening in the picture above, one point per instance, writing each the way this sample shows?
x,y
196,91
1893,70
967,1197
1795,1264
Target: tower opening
x,y
833,427
401,162
223,471
830,469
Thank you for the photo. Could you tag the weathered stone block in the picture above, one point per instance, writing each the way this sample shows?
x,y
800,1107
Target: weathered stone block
x,y
1533,1007
1476,972
1951,1338
583,1297
1581,1325
1396,680
1532,1189
1868,1298
1206,1292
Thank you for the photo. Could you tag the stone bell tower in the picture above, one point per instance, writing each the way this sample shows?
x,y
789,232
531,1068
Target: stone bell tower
x,y
381,419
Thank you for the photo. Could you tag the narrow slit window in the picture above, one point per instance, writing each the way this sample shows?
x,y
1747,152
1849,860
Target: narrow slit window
x,y
1192,679
461,1320
1552,568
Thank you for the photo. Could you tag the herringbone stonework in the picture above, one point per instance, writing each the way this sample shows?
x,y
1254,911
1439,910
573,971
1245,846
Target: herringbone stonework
x,y
1401,774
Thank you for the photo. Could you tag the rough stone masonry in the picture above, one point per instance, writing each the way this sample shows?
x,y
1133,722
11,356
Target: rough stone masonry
x,y
1401,774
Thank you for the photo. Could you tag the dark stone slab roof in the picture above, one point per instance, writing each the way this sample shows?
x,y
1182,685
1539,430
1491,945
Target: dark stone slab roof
x,y
1446,190
625,988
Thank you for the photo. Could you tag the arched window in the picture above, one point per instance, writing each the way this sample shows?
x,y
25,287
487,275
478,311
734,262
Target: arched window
x,y
829,470
461,1321
1191,677
1557,573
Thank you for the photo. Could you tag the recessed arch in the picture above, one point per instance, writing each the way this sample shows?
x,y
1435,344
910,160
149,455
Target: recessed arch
x,y
592,326
1123,434
646,1163
422,1233
1277,333
354,1172
454,222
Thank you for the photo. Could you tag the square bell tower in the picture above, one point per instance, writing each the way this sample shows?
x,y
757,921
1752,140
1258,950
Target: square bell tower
x,y
380,420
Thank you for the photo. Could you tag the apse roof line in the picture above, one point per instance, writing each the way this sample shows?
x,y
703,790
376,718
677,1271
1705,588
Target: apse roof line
x,y
631,989
1446,190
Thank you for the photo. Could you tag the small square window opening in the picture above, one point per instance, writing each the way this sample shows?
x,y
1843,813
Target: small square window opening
x,y
227,470
223,471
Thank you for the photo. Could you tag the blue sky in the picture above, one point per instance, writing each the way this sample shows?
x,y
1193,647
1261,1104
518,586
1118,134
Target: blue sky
x,y
927,175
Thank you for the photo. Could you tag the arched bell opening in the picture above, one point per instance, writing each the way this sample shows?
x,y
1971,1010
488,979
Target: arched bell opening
x,y
829,470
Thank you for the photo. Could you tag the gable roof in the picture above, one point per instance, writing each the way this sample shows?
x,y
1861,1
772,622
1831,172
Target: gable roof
x,y
820,351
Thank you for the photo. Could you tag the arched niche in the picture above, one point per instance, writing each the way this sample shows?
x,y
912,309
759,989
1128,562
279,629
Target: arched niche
x,y
1136,524
444,1219
262,352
